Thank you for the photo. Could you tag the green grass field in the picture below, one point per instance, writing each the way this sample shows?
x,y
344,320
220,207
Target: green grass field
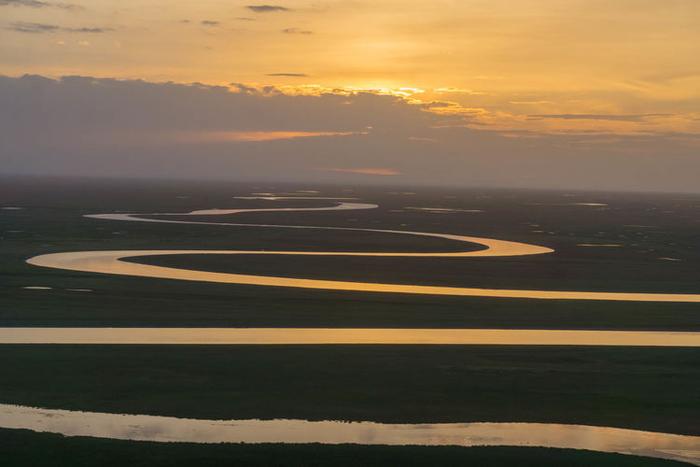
x,y
55,224
639,388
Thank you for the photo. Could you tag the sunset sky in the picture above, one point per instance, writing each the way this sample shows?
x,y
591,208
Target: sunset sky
x,y
606,84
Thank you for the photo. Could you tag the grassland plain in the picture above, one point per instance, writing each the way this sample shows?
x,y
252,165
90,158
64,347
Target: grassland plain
x,y
650,230
640,388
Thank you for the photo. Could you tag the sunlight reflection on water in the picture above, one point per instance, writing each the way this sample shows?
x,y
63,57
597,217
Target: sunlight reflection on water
x,y
171,429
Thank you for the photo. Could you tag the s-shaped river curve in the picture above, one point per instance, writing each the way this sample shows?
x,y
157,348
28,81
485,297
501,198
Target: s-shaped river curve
x,y
112,261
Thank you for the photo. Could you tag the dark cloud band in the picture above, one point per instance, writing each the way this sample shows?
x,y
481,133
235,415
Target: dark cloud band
x,y
40,28
266,8
289,75
39,4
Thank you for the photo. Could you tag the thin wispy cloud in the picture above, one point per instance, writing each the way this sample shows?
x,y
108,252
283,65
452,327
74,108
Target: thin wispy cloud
x,y
540,102
88,30
296,31
611,117
667,77
208,22
40,4
29,3
377,171
34,28
253,136
289,75
41,28
266,8
458,91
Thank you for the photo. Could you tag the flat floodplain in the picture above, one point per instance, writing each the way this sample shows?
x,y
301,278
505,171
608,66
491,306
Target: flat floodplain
x,y
606,242
658,234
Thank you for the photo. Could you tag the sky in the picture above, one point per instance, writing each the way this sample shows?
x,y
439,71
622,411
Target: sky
x,y
534,93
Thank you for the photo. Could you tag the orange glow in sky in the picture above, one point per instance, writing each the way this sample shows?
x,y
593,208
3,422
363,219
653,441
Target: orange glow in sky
x,y
501,61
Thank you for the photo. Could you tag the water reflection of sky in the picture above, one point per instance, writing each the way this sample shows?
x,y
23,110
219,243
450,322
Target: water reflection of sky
x,y
351,336
112,262
171,429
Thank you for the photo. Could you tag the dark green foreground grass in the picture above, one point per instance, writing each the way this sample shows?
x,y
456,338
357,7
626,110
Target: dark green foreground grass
x,y
24,448
640,388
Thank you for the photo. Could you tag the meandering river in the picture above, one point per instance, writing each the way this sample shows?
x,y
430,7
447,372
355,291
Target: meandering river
x,y
170,429
112,262
345,336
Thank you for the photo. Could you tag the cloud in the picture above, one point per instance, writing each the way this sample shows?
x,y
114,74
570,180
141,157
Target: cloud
x,y
66,6
438,104
87,126
208,22
290,75
111,104
244,88
244,18
458,91
377,171
611,117
667,77
539,102
22,26
266,8
296,31
88,30
40,4
422,139
39,28
255,136
29,3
